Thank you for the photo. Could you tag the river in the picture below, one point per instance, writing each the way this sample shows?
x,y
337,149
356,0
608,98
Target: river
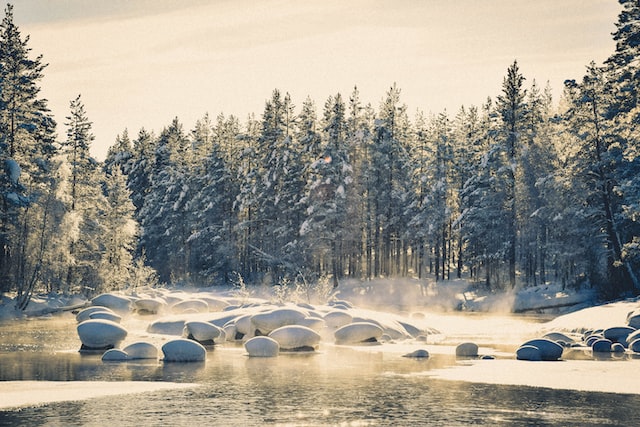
x,y
333,386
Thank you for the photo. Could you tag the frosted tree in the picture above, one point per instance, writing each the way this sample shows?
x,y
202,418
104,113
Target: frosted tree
x,y
86,203
121,232
277,184
389,169
26,150
164,215
624,82
120,155
211,242
142,164
597,163
326,224
511,106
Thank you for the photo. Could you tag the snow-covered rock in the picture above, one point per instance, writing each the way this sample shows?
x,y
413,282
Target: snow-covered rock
x,y
184,350
602,346
203,332
417,354
358,332
618,334
149,305
559,337
467,349
315,323
85,314
166,327
262,347
529,352
215,304
549,350
243,326
190,306
106,315
274,319
115,355
117,303
617,348
633,318
295,337
336,319
141,350
229,331
633,336
99,334
635,346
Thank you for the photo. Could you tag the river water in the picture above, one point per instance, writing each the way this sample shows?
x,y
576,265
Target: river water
x,y
333,386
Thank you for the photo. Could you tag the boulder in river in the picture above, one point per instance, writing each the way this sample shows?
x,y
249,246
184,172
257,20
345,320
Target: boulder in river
x,y
262,347
358,332
529,352
549,350
467,349
100,334
184,350
296,338
141,350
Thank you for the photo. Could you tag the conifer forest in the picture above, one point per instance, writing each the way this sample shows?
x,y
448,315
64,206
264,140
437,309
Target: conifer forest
x,y
525,189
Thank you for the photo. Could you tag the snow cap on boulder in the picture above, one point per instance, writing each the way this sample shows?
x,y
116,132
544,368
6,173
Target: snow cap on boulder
x,y
106,315
549,350
100,334
115,355
203,332
141,350
618,334
336,319
529,352
296,337
117,303
85,314
359,332
190,306
602,346
262,347
184,350
274,319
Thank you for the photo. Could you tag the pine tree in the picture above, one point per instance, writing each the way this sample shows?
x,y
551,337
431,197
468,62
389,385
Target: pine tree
x,y
121,232
211,243
389,163
164,215
597,163
26,150
142,164
326,226
86,204
120,155
512,108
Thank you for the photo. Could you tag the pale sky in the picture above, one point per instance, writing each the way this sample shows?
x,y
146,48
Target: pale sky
x,y
140,63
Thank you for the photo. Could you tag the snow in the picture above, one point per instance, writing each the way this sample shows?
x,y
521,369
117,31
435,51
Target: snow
x,y
17,394
581,375
404,317
13,171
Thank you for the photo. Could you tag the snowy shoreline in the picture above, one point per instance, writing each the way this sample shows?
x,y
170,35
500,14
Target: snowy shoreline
x,y
16,394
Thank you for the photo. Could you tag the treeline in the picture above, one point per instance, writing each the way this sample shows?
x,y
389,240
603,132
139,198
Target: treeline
x,y
519,191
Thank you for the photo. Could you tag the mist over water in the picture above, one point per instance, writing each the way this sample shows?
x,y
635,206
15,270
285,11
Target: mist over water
x,y
337,385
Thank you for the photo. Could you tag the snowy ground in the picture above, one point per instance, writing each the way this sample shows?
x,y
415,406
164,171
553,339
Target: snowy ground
x,y
427,307
31,393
